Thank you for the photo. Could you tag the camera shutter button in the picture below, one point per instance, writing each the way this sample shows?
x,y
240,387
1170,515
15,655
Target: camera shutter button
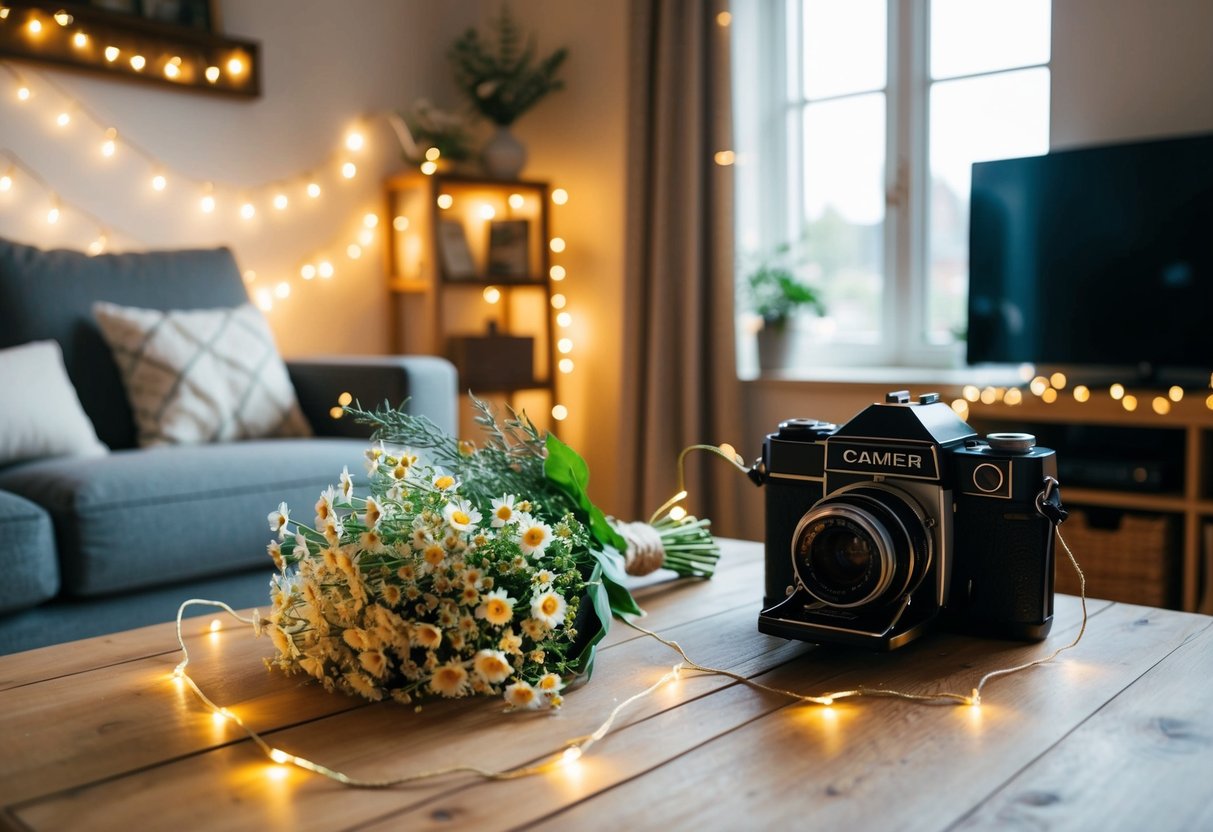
x,y
1011,443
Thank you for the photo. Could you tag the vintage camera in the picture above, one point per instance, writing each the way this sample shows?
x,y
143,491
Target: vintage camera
x,y
903,518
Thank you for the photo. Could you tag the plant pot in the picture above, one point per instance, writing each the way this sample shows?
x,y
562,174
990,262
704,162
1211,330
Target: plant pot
x,y
504,156
774,348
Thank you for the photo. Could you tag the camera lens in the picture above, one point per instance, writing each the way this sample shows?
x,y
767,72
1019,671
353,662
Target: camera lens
x,y
861,546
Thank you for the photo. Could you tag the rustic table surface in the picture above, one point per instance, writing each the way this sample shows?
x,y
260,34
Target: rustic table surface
x,y
1117,734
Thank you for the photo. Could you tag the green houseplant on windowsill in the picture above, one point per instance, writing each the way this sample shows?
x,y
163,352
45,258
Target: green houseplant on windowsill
x,y
776,294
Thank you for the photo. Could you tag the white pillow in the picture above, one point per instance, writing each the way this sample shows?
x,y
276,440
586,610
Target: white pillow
x,y
205,375
40,414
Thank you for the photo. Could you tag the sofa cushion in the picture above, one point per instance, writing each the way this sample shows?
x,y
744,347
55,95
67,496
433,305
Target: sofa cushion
x,y
201,375
48,295
40,413
27,554
139,518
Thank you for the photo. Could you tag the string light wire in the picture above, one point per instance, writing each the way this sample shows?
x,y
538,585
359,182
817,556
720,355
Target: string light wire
x,y
575,748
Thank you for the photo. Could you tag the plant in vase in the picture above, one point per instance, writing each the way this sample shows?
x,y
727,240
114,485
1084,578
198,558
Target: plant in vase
x,y
427,127
502,82
776,294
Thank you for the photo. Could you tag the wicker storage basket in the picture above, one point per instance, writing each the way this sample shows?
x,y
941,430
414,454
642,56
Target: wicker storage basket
x,y
1135,561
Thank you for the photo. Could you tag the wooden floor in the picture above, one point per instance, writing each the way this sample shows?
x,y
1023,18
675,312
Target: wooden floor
x,y
1118,734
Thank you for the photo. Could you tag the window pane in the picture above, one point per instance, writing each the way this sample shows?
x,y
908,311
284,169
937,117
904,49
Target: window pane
x,y
972,36
844,47
972,120
844,211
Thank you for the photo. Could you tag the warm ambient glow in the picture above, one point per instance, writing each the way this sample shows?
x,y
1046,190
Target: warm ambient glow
x,y
557,273
1161,405
559,301
159,183
432,154
235,66
564,319
1038,385
216,624
325,269
313,190
400,223
138,62
724,19
492,294
517,200
80,40
6,182
1013,396
353,251
52,216
265,300
1176,394
212,74
208,204
64,119
488,212
172,71
560,196
566,366
112,53
429,168
23,93
248,211
283,290
370,220
109,145
280,202
565,345
1129,402
1081,393
557,244
366,236
345,399
724,158
63,18
988,396
445,201
971,393
307,272
1116,391
560,413
35,26
349,170
1058,380
354,140
1049,396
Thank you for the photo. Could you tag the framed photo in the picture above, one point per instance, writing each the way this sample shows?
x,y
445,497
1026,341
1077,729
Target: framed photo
x,y
510,249
457,262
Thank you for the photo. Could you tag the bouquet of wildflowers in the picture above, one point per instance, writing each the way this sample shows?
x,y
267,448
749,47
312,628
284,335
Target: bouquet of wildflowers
x,y
480,570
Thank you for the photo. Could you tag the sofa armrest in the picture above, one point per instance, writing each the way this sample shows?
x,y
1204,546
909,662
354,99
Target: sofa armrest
x,y
428,382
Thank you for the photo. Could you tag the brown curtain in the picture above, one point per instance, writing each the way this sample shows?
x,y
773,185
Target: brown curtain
x,y
680,375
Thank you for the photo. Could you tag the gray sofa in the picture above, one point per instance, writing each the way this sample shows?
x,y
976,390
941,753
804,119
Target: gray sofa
x,y
91,545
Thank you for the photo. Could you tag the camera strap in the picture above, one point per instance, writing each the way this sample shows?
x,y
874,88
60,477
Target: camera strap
x,y
1048,502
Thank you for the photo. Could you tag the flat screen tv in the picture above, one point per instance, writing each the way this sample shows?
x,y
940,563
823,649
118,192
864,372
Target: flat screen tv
x,y
1098,259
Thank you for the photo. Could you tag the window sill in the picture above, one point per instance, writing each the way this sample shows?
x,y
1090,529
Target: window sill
x,y
892,378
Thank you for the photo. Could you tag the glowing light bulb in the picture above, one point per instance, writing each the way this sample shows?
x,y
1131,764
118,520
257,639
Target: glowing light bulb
x,y
52,216
1161,405
1209,402
325,269
429,168
208,204
566,365
1038,385
354,140
138,62
366,236
724,158
80,40
560,196
280,202
565,345
112,53
1058,380
445,201
724,19
492,294
971,393
1176,394
349,170
235,66
6,182
677,513
172,71
308,271
400,223
560,413
313,190
23,93
216,624
248,211
98,245
556,244
557,273
370,220
1049,396
159,183
35,26
1081,393
283,290
1013,396
987,396
488,212
564,319
279,756
1129,402
516,201
63,18
64,119
559,301
353,251
110,144
1116,391
212,74
4,12
961,408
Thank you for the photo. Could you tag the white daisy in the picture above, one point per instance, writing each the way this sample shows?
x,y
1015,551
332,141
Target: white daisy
x,y
427,636
324,507
373,513
278,520
449,680
533,536
503,511
497,607
522,695
274,548
492,666
460,515
549,607
444,481
300,550
347,483
550,683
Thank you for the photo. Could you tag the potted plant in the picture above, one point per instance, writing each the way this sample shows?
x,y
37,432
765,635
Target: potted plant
x,y
502,82
776,294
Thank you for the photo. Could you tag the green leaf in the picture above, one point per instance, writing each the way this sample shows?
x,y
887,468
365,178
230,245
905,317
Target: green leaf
x,y
598,596
613,579
565,469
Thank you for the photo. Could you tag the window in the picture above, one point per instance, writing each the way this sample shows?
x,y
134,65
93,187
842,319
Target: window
x,y
857,122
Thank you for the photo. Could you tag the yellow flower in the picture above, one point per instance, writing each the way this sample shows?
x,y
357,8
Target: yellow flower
x,y
434,555
470,595
534,628
278,520
362,685
407,573
460,515
275,552
491,665
497,608
522,695
449,680
510,642
391,594
549,607
282,641
444,481
550,683
371,540
374,662
356,638
427,636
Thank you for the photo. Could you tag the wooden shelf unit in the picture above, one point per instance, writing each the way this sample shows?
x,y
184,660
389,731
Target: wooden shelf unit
x,y
1180,440
429,305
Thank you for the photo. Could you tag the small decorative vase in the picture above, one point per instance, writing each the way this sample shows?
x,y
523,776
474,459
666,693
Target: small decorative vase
x,y
504,156
774,347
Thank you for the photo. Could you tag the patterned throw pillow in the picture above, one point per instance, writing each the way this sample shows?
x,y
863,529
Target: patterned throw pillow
x,y
195,376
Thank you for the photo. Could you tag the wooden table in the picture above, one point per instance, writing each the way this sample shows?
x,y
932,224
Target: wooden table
x,y
1117,734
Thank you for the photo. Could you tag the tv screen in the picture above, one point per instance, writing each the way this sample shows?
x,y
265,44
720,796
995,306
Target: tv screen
x,y
1099,257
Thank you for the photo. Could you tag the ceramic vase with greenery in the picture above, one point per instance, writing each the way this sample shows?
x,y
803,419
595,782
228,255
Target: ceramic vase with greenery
x,y
502,81
776,294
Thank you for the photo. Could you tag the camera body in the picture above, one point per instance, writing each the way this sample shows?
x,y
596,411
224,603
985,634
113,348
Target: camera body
x,y
902,519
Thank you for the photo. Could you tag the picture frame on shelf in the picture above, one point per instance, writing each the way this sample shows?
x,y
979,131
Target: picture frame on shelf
x,y
456,254
510,249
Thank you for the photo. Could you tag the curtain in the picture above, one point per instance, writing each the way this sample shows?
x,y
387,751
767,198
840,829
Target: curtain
x,y
681,384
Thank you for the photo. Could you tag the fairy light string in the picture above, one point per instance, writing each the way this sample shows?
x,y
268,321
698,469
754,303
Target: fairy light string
x,y
573,749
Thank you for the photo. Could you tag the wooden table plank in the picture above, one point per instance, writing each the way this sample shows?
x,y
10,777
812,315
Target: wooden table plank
x,y
1144,761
